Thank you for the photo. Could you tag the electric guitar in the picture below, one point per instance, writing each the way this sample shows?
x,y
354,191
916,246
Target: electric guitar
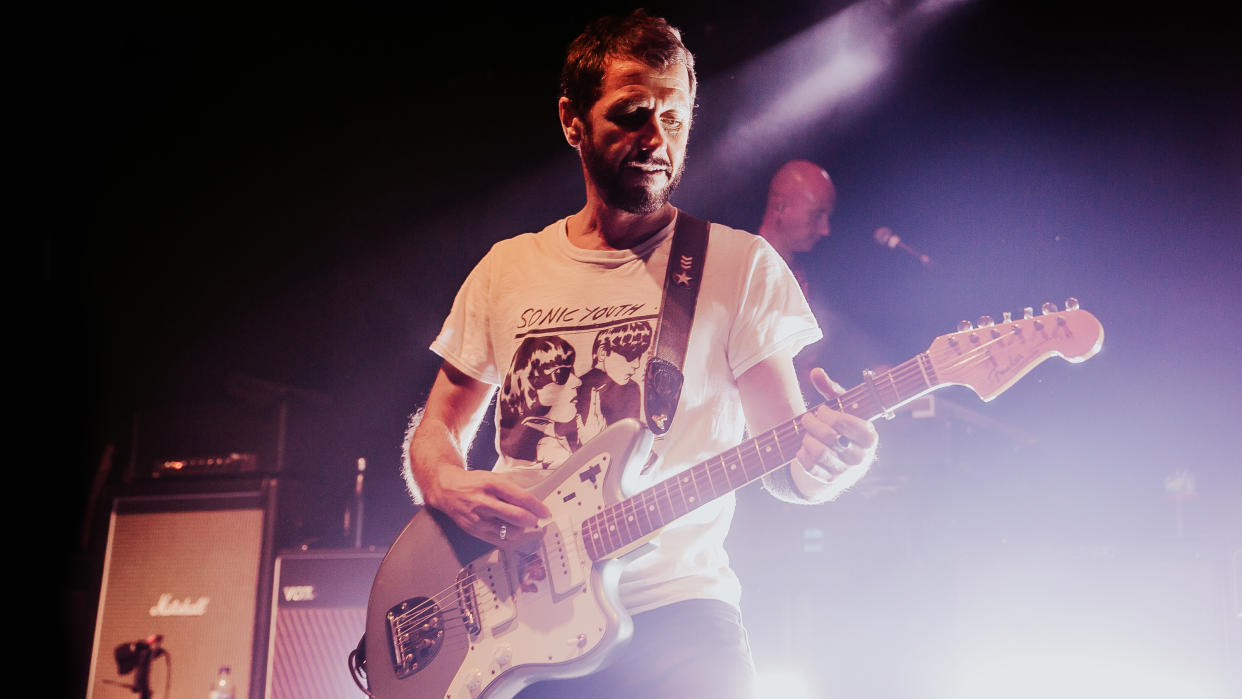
x,y
451,617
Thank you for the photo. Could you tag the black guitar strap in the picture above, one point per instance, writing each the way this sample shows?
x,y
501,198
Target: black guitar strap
x,y
681,292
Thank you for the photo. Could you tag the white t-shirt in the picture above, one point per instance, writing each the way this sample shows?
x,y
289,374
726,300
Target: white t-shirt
x,y
565,333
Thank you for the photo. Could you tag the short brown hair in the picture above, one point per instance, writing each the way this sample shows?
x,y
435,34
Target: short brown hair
x,y
640,36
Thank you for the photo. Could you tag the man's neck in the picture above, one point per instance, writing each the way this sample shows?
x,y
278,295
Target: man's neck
x,y
598,227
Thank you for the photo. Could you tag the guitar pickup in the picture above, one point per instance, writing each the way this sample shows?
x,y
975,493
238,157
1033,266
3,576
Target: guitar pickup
x,y
492,590
564,557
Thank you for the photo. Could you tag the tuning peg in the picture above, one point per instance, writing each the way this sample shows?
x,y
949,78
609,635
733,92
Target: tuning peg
x,y
1006,317
1028,313
964,325
1071,304
1048,308
985,321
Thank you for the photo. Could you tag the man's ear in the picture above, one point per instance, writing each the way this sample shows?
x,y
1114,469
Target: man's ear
x,y
571,123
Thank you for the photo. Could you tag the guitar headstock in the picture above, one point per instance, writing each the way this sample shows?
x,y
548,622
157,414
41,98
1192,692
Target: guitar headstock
x,y
989,357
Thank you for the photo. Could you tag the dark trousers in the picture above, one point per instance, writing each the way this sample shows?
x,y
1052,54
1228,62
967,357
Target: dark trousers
x,y
688,650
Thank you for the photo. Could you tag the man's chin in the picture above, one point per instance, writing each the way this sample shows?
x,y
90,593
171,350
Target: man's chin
x,y
639,200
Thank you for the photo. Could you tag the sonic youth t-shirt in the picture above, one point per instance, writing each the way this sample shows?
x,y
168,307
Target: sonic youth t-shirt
x,y
565,334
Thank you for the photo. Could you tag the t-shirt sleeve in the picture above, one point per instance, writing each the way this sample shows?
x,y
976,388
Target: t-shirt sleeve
x,y
465,338
773,315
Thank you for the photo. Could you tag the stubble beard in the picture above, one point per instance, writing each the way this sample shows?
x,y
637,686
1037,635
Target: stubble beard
x,y
611,186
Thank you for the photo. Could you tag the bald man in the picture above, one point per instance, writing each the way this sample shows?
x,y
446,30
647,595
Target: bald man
x,y
801,198
800,201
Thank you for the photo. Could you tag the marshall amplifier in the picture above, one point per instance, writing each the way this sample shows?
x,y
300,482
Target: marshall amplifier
x,y
217,465
195,569
318,615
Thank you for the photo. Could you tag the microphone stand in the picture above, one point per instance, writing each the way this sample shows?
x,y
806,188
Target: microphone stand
x,y
141,655
353,511
362,467
142,673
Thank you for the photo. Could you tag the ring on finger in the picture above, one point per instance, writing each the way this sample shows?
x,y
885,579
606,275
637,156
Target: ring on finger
x,y
840,444
504,531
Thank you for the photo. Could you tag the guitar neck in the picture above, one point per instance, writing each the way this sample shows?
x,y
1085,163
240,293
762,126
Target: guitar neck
x,y
634,518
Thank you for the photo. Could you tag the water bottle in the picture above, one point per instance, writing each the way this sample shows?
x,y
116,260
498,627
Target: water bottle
x,y
223,688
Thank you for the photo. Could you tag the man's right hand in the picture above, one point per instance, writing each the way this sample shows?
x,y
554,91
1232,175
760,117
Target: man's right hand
x,y
489,506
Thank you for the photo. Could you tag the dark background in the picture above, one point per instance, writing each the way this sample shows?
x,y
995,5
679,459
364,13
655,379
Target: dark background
x,y
251,204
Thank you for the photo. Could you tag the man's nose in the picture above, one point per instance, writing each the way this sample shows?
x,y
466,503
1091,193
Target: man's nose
x,y
652,134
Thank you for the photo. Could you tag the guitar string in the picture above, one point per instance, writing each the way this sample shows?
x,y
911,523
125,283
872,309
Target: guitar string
x,y
470,579
900,374
650,503
418,614
701,474
910,374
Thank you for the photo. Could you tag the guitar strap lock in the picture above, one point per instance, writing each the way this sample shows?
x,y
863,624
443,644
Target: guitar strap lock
x,y
663,389
682,279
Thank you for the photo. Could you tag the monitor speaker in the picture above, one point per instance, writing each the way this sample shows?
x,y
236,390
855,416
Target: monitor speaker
x,y
318,616
194,568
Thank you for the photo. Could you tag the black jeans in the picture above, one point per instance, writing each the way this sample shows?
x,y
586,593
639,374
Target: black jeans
x,y
695,649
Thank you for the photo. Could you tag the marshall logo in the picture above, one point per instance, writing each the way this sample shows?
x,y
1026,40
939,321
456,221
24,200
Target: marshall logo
x,y
167,606
299,593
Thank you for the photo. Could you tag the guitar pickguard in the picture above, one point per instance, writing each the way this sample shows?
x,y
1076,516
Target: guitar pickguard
x,y
501,620
560,601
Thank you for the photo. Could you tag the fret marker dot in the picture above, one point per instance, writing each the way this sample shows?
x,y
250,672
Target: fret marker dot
x,y
651,507
691,499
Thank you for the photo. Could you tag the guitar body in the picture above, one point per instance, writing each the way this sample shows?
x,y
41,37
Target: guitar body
x,y
451,617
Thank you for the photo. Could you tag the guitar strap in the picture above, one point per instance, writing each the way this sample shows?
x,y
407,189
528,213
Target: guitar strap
x,y
681,292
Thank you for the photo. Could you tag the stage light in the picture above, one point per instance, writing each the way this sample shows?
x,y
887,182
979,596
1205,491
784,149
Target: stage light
x,y
831,69
783,683
1081,673
808,76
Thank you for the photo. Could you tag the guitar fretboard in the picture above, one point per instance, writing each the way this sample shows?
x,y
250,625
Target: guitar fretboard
x,y
634,518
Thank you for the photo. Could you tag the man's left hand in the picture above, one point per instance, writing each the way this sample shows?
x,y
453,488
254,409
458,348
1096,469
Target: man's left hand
x,y
836,442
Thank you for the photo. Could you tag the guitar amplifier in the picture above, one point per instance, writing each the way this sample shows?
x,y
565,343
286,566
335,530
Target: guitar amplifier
x,y
223,464
319,607
193,567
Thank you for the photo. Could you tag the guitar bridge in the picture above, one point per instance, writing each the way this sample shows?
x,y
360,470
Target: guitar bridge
x,y
415,632
468,601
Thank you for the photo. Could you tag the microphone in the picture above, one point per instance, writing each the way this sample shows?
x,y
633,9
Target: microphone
x,y
138,654
886,237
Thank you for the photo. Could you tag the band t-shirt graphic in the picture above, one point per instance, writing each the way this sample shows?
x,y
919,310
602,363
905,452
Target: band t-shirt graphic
x,y
547,410
565,334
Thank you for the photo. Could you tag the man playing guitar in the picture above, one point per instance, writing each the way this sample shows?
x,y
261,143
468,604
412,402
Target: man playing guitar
x,y
542,310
